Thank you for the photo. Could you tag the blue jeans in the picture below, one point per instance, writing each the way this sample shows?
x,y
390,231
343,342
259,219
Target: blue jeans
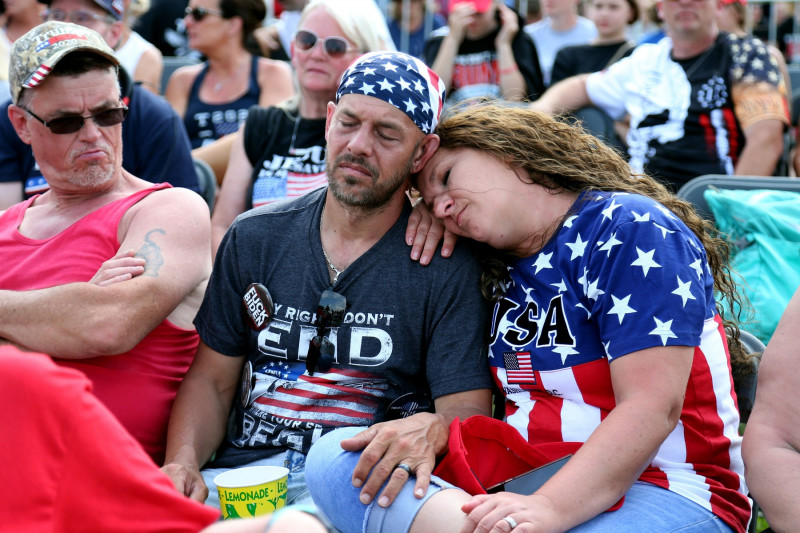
x,y
653,509
329,470
295,461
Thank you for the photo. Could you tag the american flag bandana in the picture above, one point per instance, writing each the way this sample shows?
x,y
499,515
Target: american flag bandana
x,y
401,80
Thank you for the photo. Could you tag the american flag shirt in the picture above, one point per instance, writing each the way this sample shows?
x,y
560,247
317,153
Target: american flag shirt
x,y
622,274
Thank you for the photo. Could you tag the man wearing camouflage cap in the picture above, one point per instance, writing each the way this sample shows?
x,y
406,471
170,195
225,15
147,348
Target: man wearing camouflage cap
x,y
316,318
63,250
155,148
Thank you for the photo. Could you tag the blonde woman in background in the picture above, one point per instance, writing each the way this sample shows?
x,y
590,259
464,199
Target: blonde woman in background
x,y
142,60
279,152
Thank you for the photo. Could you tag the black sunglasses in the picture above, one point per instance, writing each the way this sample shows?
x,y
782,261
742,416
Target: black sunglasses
x,y
199,13
73,123
330,314
335,47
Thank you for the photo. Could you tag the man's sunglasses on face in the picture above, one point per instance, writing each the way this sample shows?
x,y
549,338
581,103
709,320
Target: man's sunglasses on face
x,y
73,123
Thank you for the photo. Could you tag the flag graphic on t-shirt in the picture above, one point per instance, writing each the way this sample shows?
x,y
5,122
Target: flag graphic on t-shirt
x,y
518,367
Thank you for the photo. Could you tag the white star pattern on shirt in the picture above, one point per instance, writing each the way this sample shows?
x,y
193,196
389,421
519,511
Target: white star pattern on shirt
x,y
569,221
542,262
386,85
663,229
607,246
584,280
698,267
577,247
592,292
367,88
564,351
588,313
684,291
666,211
608,211
528,297
663,330
645,260
640,218
621,307
561,286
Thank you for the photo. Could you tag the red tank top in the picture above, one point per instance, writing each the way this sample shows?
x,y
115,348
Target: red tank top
x,y
139,386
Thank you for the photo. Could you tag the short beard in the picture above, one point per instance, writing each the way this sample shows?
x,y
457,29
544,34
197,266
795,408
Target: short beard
x,y
375,197
93,175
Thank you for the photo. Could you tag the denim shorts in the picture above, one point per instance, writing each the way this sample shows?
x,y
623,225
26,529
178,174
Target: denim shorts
x,y
329,470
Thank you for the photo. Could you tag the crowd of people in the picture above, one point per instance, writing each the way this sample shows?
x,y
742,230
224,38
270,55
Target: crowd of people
x,y
439,254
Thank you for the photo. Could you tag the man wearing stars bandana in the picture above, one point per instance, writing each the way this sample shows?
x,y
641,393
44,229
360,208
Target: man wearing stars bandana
x,y
316,318
700,101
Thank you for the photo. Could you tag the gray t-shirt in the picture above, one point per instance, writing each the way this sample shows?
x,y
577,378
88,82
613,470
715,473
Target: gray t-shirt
x,y
408,329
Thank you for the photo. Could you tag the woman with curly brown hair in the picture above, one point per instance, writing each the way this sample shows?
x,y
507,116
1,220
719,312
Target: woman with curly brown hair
x,y
606,338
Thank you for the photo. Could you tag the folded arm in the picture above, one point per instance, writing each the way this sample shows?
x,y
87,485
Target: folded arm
x,y
170,230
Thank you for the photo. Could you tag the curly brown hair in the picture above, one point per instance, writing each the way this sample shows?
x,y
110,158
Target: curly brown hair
x,y
561,156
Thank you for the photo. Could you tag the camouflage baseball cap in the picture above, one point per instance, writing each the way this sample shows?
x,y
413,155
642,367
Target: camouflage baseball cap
x,y
35,54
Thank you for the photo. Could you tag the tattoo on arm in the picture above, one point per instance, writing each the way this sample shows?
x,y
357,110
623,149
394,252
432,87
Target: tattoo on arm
x,y
151,253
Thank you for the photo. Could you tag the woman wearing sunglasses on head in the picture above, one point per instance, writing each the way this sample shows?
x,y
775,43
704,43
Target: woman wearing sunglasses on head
x,y
213,97
606,342
280,151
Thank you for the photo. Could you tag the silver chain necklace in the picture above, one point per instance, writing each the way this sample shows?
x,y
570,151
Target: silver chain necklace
x,y
336,271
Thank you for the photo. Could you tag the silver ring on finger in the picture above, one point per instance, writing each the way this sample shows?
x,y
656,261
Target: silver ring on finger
x,y
403,466
511,521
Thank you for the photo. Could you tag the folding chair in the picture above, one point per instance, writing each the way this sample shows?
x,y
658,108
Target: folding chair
x,y
693,190
173,63
206,181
